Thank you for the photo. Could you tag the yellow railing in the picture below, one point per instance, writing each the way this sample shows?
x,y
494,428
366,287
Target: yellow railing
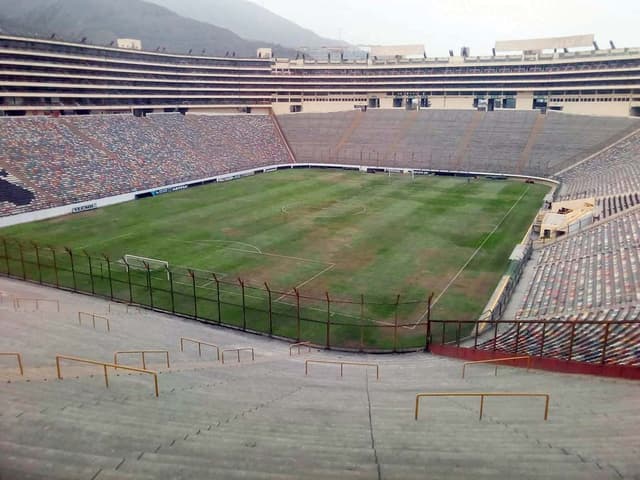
x,y
19,302
482,395
200,343
18,356
93,318
105,365
299,345
143,352
498,360
342,364
244,349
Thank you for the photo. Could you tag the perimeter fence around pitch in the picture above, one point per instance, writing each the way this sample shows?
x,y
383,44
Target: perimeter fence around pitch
x,y
363,323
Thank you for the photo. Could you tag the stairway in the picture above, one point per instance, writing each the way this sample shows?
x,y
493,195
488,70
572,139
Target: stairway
x,y
525,156
463,146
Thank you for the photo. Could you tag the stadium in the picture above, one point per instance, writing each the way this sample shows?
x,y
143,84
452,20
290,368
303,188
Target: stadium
x,y
306,253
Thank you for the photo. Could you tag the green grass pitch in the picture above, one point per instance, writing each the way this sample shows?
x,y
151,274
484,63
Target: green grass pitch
x,y
346,233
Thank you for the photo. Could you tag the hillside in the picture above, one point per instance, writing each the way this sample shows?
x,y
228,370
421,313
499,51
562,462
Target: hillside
x,y
249,21
101,22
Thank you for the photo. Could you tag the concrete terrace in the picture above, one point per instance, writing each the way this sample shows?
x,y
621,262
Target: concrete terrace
x,y
266,420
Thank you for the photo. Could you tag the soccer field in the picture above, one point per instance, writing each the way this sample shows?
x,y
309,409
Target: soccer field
x,y
346,233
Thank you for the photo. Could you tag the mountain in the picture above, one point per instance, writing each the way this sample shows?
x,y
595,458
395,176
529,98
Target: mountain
x,y
102,21
249,21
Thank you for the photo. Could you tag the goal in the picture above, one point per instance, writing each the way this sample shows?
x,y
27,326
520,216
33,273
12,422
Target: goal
x,y
136,262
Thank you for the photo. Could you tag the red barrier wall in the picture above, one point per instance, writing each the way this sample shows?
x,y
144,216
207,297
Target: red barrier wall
x,y
542,363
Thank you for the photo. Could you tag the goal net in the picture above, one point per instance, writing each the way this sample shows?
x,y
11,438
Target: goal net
x,y
136,262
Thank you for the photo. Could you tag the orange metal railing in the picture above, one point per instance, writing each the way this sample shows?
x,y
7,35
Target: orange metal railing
x,y
299,345
482,395
93,318
18,356
19,302
498,360
105,365
342,364
143,352
200,343
244,349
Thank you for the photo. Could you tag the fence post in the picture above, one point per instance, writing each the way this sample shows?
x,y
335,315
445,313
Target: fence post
x,y
270,311
106,258
361,322
297,314
395,325
170,275
458,332
517,337
24,270
129,280
544,331
244,306
328,321
495,335
73,268
93,289
6,256
35,246
427,340
215,278
55,265
148,269
192,274
573,332
604,343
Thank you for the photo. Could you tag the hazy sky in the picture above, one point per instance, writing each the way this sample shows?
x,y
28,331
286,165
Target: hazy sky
x,y
445,24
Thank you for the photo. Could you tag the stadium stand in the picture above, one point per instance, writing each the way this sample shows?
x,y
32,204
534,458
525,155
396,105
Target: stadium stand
x,y
596,268
452,139
615,171
267,420
69,160
623,339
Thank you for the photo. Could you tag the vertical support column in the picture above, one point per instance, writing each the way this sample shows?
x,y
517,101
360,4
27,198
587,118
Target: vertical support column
x,y
215,279
106,258
458,333
270,310
24,270
427,340
129,280
37,249
244,306
517,337
171,291
192,274
495,335
73,268
328,332
297,314
361,319
395,324
149,286
571,339
605,340
6,256
544,332
93,288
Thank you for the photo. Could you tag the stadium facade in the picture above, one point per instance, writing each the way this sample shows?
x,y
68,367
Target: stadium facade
x,y
49,76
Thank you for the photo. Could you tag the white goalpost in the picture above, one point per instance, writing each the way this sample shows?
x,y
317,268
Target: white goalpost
x,y
136,262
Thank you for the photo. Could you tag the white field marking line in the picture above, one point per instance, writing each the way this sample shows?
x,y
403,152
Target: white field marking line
x,y
473,255
362,211
256,249
104,240
331,265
